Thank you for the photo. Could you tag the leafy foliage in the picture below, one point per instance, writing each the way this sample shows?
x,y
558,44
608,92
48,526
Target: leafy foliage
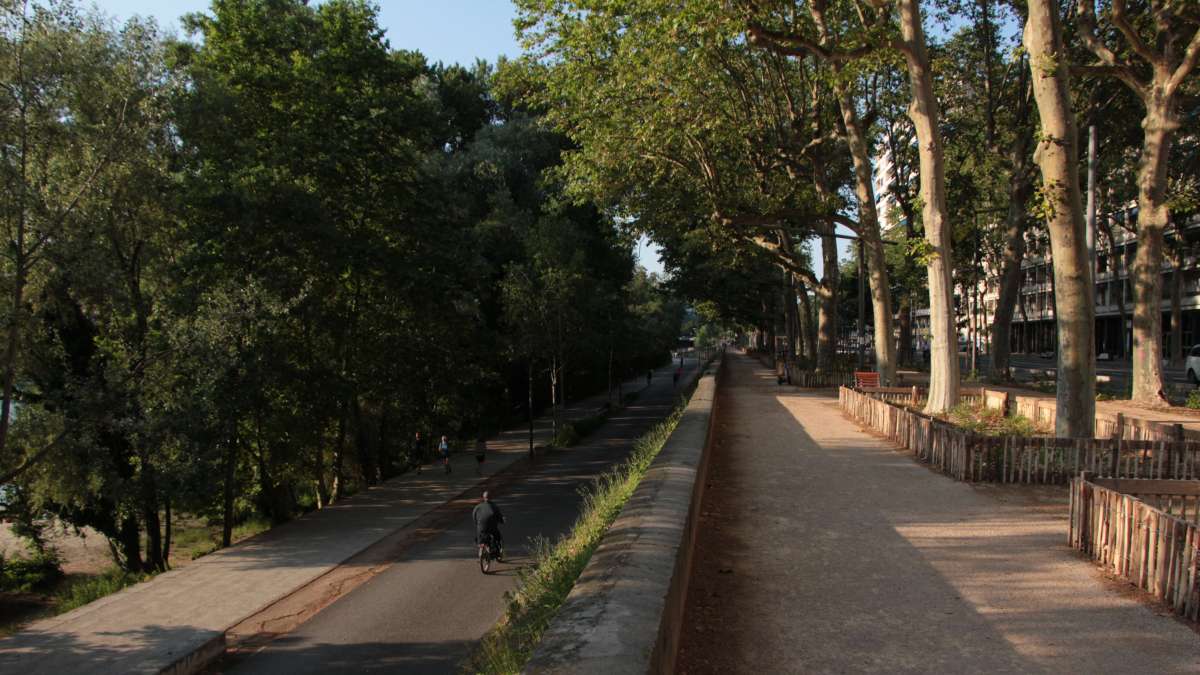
x,y
261,257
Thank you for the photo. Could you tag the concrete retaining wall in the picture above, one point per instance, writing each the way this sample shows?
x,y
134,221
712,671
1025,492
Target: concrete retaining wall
x,y
624,614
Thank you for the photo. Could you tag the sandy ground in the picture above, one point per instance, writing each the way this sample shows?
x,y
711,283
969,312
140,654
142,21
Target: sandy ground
x,y
822,549
85,552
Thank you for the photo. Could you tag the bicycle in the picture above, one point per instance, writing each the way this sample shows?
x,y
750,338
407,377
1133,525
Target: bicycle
x,y
490,548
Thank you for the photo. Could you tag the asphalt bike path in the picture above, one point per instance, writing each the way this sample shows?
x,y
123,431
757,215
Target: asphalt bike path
x,y
425,612
153,625
822,549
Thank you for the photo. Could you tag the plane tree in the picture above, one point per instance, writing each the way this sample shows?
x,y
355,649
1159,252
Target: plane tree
x,y
680,125
1152,48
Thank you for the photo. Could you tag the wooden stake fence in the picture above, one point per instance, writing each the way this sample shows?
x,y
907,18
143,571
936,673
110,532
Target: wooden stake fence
x,y
1155,549
1016,459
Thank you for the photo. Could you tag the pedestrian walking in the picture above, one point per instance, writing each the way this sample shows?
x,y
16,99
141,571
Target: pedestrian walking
x,y
480,455
649,376
444,451
418,451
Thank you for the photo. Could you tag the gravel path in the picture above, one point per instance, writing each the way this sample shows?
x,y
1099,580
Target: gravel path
x,y
822,549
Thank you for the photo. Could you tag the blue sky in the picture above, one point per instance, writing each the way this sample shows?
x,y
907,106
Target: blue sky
x,y
451,31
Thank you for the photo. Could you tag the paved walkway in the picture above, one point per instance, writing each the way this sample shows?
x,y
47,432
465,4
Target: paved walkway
x,y
822,549
424,613
149,626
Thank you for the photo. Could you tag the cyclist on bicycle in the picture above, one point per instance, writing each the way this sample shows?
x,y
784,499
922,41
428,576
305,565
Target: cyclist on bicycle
x,y
487,519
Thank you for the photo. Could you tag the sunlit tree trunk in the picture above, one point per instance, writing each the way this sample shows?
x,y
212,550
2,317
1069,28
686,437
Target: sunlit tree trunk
x,y
1057,155
868,223
923,111
1148,258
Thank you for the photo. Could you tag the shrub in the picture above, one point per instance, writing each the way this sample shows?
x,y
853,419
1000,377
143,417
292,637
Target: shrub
x,y
566,436
990,422
39,571
1017,425
1193,399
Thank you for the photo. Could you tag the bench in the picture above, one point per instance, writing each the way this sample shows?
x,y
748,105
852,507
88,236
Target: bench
x,y
865,378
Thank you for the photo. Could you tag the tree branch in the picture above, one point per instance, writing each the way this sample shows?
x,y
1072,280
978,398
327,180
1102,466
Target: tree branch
x,y
33,459
1190,57
792,44
1113,65
1121,21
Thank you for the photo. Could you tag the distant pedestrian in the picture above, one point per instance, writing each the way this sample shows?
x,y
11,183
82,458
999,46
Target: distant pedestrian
x,y
418,451
444,451
480,455
649,376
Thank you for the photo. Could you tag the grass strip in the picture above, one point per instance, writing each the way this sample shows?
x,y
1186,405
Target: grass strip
x,y
80,592
545,585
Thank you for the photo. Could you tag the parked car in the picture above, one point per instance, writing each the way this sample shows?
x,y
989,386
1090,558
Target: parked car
x,y
1192,366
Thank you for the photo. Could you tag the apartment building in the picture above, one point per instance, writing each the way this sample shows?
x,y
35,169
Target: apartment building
x,y
1034,328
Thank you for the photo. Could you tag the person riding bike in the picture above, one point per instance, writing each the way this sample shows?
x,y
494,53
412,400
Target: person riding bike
x,y
487,519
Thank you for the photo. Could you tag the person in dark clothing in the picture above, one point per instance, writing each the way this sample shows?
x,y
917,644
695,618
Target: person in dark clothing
x,y
480,455
418,450
487,519
649,377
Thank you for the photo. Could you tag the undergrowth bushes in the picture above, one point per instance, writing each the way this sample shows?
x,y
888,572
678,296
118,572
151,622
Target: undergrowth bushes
x,y
991,422
82,591
39,571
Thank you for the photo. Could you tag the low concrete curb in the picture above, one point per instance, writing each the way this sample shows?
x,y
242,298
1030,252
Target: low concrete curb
x,y
624,614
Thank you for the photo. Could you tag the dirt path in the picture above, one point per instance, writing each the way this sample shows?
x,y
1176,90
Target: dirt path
x,y
824,550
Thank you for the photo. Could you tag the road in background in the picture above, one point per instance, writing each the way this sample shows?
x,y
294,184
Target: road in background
x,y
426,612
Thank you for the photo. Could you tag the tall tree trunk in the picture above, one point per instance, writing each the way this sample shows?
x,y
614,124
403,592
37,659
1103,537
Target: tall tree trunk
x,y
1168,67
128,546
789,318
923,111
1020,189
228,491
554,397
904,351
167,532
827,329
150,518
530,404
386,458
808,330
1177,312
1147,261
610,373
868,223
1057,155
339,457
772,348
797,329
